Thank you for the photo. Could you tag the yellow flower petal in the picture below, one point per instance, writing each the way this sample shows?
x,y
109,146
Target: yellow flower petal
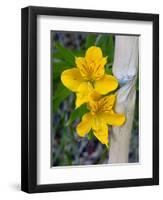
x,y
92,54
113,118
82,66
80,61
83,92
98,68
95,96
92,65
108,102
106,84
71,78
85,125
100,129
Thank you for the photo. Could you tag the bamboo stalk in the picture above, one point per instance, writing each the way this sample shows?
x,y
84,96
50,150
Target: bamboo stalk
x,y
125,68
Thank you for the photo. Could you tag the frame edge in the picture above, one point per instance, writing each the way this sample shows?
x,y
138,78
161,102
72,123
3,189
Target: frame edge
x,y
156,99
24,99
29,72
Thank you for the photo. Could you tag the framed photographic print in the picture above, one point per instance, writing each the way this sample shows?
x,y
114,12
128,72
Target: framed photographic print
x,y
90,99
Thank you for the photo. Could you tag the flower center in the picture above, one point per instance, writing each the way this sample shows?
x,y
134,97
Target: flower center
x,y
91,71
101,106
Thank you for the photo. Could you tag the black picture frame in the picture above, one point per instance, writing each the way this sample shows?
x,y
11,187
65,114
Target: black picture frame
x,y
29,99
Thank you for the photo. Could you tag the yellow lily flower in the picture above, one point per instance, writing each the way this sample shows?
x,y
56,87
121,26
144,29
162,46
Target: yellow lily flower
x,y
100,116
89,75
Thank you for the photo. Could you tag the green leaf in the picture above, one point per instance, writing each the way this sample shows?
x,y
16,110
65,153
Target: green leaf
x,y
90,135
58,68
77,113
66,54
108,68
107,146
111,48
57,56
90,40
78,53
60,93
106,43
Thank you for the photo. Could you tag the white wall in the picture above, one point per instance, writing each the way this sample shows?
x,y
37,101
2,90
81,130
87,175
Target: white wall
x,y
10,80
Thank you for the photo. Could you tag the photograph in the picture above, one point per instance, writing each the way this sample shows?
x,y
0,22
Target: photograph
x,y
94,108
